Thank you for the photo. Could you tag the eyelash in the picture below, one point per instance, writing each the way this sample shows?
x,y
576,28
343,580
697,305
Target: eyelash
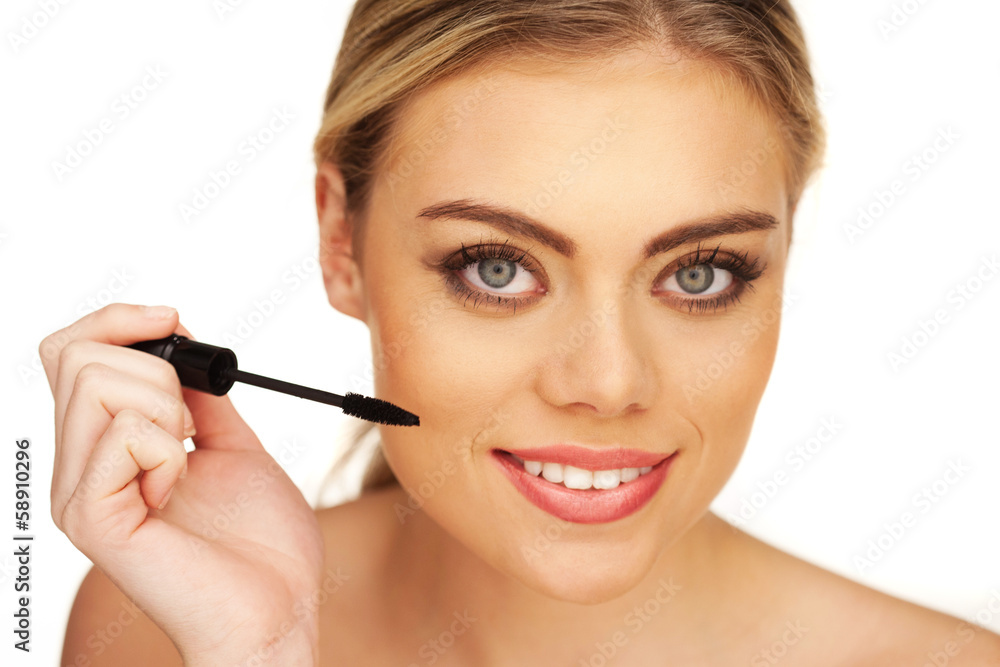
x,y
743,270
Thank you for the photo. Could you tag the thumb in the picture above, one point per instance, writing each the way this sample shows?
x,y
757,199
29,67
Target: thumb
x,y
219,426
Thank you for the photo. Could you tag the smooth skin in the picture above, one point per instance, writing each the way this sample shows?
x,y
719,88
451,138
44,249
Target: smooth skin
x,y
467,571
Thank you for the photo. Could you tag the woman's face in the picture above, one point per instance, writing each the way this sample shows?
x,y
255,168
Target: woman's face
x,y
625,295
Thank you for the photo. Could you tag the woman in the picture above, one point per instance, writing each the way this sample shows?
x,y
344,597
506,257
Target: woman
x,y
532,206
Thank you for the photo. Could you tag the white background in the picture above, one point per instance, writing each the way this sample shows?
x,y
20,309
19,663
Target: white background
x,y
886,96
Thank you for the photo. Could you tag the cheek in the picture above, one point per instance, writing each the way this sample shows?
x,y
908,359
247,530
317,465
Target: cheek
x,y
447,376
717,392
434,355
428,359
726,377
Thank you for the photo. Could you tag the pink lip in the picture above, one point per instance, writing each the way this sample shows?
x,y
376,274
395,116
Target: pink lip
x,y
587,505
590,459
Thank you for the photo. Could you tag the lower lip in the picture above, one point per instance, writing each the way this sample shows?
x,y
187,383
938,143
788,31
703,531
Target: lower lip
x,y
584,505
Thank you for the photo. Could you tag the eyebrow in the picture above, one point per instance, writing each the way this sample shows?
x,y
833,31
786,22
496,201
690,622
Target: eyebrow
x,y
512,222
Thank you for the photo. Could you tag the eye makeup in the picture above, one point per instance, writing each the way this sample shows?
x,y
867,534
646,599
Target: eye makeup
x,y
742,269
715,265
468,256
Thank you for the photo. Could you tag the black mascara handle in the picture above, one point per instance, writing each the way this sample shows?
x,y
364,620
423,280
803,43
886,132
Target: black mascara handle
x,y
199,365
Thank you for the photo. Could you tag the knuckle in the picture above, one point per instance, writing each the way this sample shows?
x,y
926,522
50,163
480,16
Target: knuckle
x,y
128,424
91,375
114,307
50,348
166,375
128,417
72,352
43,345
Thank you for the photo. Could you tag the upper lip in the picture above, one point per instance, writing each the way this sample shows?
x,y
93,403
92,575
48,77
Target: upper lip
x,y
605,458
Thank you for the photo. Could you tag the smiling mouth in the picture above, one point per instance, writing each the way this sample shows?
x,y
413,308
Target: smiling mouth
x,y
572,477
581,495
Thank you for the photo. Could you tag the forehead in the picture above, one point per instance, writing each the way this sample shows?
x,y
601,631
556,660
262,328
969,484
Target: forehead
x,y
628,138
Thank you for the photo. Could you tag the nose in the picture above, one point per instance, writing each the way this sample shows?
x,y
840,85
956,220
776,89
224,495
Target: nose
x,y
598,362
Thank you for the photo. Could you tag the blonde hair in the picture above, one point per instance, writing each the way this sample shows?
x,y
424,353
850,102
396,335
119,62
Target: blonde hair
x,y
393,49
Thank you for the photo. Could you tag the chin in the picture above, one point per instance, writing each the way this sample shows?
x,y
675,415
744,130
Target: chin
x,y
581,573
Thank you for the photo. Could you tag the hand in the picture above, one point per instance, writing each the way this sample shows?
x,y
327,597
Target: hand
x,y
227,567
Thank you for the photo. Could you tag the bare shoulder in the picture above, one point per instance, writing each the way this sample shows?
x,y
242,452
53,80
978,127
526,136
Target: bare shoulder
x,y
937,638
106,628
906,633
840,621
359,537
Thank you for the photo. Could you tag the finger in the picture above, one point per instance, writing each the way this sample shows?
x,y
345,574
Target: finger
x,y
100,393
182,330
141,365
116,324
219,425
110,502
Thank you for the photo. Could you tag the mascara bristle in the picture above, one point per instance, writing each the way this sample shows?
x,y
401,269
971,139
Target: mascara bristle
x,y
377,410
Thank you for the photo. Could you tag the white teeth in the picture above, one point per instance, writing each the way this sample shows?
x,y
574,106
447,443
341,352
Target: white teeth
x,y
552,472
607,479
577,478
533,467
580,478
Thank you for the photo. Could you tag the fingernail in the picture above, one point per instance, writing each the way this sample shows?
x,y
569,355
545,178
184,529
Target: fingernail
x,y
165,499
158,312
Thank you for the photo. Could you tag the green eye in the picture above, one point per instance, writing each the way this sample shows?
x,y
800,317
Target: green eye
x,y
700,279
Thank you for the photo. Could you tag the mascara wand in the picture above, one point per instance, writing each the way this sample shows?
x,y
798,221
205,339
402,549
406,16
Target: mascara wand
x,y
213,369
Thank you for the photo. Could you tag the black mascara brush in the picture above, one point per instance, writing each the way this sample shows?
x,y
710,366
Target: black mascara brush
x,y
213,369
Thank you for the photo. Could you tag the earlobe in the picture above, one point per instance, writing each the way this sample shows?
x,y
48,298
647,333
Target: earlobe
x,y
341,275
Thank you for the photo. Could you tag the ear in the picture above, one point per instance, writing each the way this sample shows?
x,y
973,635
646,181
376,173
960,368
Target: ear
x,y
341,274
